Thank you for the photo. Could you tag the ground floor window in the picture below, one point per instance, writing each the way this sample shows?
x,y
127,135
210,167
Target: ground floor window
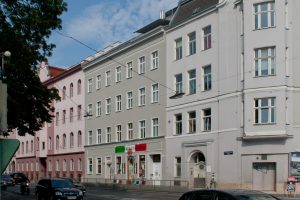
x,y
142,165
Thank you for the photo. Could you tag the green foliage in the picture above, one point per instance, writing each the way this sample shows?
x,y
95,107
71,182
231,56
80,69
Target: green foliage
x,y
25,26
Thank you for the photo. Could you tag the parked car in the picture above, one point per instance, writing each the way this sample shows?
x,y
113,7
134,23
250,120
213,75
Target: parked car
x,y
77,185
226,195
19,177
3,185
8,179
57,189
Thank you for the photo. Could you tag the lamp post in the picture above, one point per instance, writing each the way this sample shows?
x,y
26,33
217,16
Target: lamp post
x,y
3,54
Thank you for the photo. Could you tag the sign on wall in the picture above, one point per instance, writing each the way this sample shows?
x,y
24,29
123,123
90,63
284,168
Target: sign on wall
x,y
294,167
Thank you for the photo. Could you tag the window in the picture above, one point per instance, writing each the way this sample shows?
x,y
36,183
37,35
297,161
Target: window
x,y
178,48
108,134
90,166
192,121
79,139
99,165
71,140
49,167
71,114
31,145
64,117
79,112
57,142
129,70
206,78
71,165
192,81
90,110
79,87
119,133
142,166
98,82
90,83
142,65
98,109
154,57
108,106
57,118
57,165
90,137
71,90
27,147
177,166
118,74
142,128
64,141
142,96
79,164
64,165
265,61
264,110
130,131
178,124
118,164
264,14
206,32
178,83
154,98
192,43
206,119
118,103
99,135
129,100
155,127
64,92
107,78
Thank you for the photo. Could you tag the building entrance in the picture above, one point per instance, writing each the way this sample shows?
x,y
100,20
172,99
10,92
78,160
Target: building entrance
x,y
198,170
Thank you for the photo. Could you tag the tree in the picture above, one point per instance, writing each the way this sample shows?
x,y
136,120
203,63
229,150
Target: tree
x,y
25,28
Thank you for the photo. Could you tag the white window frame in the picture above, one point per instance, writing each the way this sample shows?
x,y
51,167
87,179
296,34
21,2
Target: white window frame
x,y
192,122
206,78
270,59
270,108
142,65
99,136
89,165
155,93
97,172
98,109
258,15
107,78
129,70
142,96
119,133
98,82
129,104
178,124
178,85
90,137
118,77
206,120
177,166
155,60
178,48
64,165
142,129
90,111
90,85
118,165
206,38
72,167
192,47
107,106
129,131
79,164
192,81
155,127
108,134
118,103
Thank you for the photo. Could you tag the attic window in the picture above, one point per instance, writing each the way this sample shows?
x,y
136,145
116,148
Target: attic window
x,y
196,10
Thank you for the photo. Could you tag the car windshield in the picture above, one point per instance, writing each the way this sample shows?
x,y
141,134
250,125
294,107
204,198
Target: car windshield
x,y
61,184
257,197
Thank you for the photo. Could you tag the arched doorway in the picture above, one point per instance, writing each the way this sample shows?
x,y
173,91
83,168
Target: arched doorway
x,y
198,169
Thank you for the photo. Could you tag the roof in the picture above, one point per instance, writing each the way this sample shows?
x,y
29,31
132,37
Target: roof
x,y
55,71
189,8
153,25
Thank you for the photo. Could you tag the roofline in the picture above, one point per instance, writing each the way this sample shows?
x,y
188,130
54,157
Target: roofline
x,y
64,74
124,46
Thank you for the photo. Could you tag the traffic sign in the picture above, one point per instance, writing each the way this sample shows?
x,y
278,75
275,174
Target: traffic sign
x,y
8,148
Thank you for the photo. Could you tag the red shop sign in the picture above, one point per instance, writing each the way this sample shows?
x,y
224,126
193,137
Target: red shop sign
x,y
140,147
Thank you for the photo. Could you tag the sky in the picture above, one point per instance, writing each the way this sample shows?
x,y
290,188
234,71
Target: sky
x,y
99,23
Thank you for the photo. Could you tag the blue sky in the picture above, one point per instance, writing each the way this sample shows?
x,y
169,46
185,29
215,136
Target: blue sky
x,y
98,23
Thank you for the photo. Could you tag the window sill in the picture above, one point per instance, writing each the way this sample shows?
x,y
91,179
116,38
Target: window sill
x,y
129,108
259,124
154,102
206,131
142,105
152,69
177,134
264,76
128,77
264,28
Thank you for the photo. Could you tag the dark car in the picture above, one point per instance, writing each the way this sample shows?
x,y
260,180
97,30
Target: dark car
x,y
226,195
8,179
57,189
3,185
19,177
77,185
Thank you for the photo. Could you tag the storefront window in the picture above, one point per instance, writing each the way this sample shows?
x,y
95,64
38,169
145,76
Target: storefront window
x,y
142,166
118,164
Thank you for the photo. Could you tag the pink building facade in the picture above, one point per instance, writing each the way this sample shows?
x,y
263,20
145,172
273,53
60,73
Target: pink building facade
x,y
57,150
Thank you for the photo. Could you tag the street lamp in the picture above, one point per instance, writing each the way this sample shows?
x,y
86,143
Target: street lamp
x,y
3,54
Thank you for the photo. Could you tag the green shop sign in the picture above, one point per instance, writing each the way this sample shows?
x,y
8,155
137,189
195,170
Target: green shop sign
x,y
119,149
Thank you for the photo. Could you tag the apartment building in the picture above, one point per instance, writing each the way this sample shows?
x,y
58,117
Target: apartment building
x,y
233,65
125,99
57,150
